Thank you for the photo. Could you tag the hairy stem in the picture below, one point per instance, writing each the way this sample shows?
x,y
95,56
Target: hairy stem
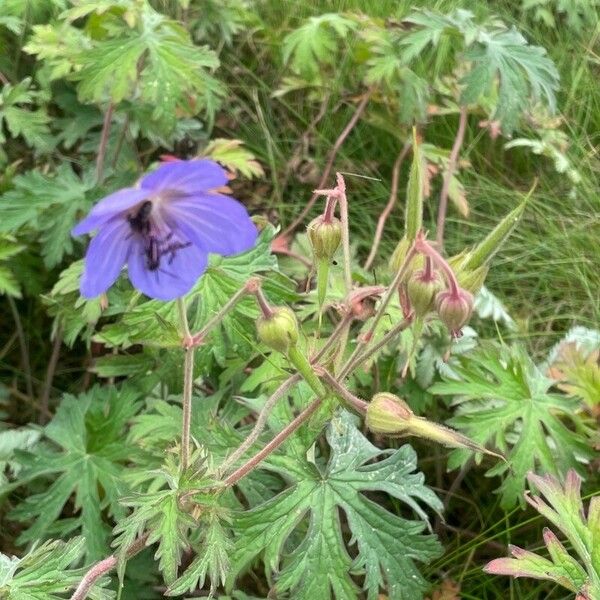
x,y
425,248
103,567
330,160
305,369
188,381
103,142
367,353
452,161
198,338
22,346
385,213
391,290
283,435
356,403
260,424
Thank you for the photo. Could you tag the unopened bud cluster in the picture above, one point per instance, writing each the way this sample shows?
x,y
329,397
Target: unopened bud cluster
x,y
426,292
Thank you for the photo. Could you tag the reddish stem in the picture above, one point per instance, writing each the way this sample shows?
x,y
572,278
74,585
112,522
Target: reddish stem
x,y
330,160
452,161
383,217
263,304
283,435
423,247
103,567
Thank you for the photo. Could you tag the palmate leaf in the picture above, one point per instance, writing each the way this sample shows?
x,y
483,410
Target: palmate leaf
x,y
318,563
157,58
563,507
22,117
503,66
503,400
46,573
48,205
316,42
86,460
522,72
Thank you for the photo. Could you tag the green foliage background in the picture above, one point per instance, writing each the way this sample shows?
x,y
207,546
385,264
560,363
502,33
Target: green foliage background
x,y
265,87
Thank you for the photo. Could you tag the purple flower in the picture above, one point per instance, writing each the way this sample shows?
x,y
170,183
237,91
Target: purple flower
x,y
164,229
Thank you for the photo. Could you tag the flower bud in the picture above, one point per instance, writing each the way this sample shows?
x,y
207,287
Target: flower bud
x,y
388,414
422,288
399,255
325,235
454,309
278,331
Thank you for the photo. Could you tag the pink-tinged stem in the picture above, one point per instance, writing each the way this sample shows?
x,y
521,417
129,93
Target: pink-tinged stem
x,y
452,162
425,248
383,217
263,303
102,568
330,160
188,382
283,435
359,405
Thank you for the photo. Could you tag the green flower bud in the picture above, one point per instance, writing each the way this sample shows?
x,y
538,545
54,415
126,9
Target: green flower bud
x,y
454,309
280,330
325,236
422,288
388,414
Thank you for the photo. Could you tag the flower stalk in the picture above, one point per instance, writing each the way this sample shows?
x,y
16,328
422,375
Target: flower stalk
x,y
188,382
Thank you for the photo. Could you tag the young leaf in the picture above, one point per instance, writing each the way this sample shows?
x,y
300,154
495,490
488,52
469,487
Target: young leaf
x,y
21,117
212,559
504,401
158,56
233,156
563,507
46,573
86,460
48,205
318,564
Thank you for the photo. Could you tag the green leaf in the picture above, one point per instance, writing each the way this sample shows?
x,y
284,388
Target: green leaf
x,y
563,507
155,57
314,42
48,205
212,559
521,72
233,156
21,117
503,400
317,562
86,460
46,573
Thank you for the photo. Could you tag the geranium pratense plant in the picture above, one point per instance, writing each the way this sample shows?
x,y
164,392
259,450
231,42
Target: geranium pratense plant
x,y
163,229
